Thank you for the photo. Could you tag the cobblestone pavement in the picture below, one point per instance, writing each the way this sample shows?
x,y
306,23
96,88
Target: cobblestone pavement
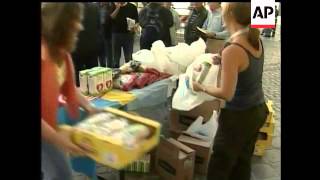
x,y
268,166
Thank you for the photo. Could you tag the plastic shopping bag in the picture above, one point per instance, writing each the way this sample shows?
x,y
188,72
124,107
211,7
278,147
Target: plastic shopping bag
x,y
205,131
183,54
185,98
146,58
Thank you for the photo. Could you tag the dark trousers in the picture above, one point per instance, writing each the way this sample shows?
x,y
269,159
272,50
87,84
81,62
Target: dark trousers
x,y
105,55
109,54
82,62
234,143
148,36
119,41
102,52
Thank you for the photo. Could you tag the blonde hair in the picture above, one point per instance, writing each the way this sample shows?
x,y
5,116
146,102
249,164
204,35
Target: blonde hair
x,y
56,23
241,12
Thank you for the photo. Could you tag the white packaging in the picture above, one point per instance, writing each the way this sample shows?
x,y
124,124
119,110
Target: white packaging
x,y
108,79
95,82
83,78
131,23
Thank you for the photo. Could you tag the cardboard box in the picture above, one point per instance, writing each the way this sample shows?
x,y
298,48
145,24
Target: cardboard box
x,y
203,152
181,120
174,161
110,151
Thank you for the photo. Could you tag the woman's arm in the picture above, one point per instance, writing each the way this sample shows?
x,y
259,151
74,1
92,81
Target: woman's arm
x,y
61,140
85,104
229,75
48,133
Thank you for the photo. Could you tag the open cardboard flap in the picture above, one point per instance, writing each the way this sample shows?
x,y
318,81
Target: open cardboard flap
x,y
204,131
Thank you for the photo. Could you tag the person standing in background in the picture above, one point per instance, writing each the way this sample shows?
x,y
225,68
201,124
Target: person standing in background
x,y
214,23
145,4
87,51
122,37
271,32
196,19
155,22
101,39
176,22
109,8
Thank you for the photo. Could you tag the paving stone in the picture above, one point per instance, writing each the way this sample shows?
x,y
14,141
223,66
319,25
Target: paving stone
x,y
272,156
276,167
276,142
257,160
262,171
274,178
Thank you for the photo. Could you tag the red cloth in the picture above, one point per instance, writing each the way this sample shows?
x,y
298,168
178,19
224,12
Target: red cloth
x,y
50,89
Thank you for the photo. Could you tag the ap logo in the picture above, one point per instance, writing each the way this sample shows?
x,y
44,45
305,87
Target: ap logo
x,y
263,13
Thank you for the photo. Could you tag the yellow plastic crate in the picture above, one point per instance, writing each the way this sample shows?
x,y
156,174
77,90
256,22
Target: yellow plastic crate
x,y
110,152
262,143
259,149
271,112
268,127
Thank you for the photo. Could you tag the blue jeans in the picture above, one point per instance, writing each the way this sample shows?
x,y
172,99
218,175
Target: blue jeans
x,y
54,163
83,165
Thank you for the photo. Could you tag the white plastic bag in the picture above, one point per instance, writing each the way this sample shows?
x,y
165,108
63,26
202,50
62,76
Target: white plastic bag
x,y
185,98
206,131
173,60
184,55
162,60
146,58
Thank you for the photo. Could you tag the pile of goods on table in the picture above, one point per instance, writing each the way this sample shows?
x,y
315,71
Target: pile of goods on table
x,y
134,75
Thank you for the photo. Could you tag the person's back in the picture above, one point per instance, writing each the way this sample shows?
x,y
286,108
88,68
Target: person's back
x,y
249,90
155,21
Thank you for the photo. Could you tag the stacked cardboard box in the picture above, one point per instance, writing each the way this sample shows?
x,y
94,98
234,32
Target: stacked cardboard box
x,y
203,151
174,160
266,132
181,120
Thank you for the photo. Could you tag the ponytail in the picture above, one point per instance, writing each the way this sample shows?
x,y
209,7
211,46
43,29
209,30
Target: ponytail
x,y
253,37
